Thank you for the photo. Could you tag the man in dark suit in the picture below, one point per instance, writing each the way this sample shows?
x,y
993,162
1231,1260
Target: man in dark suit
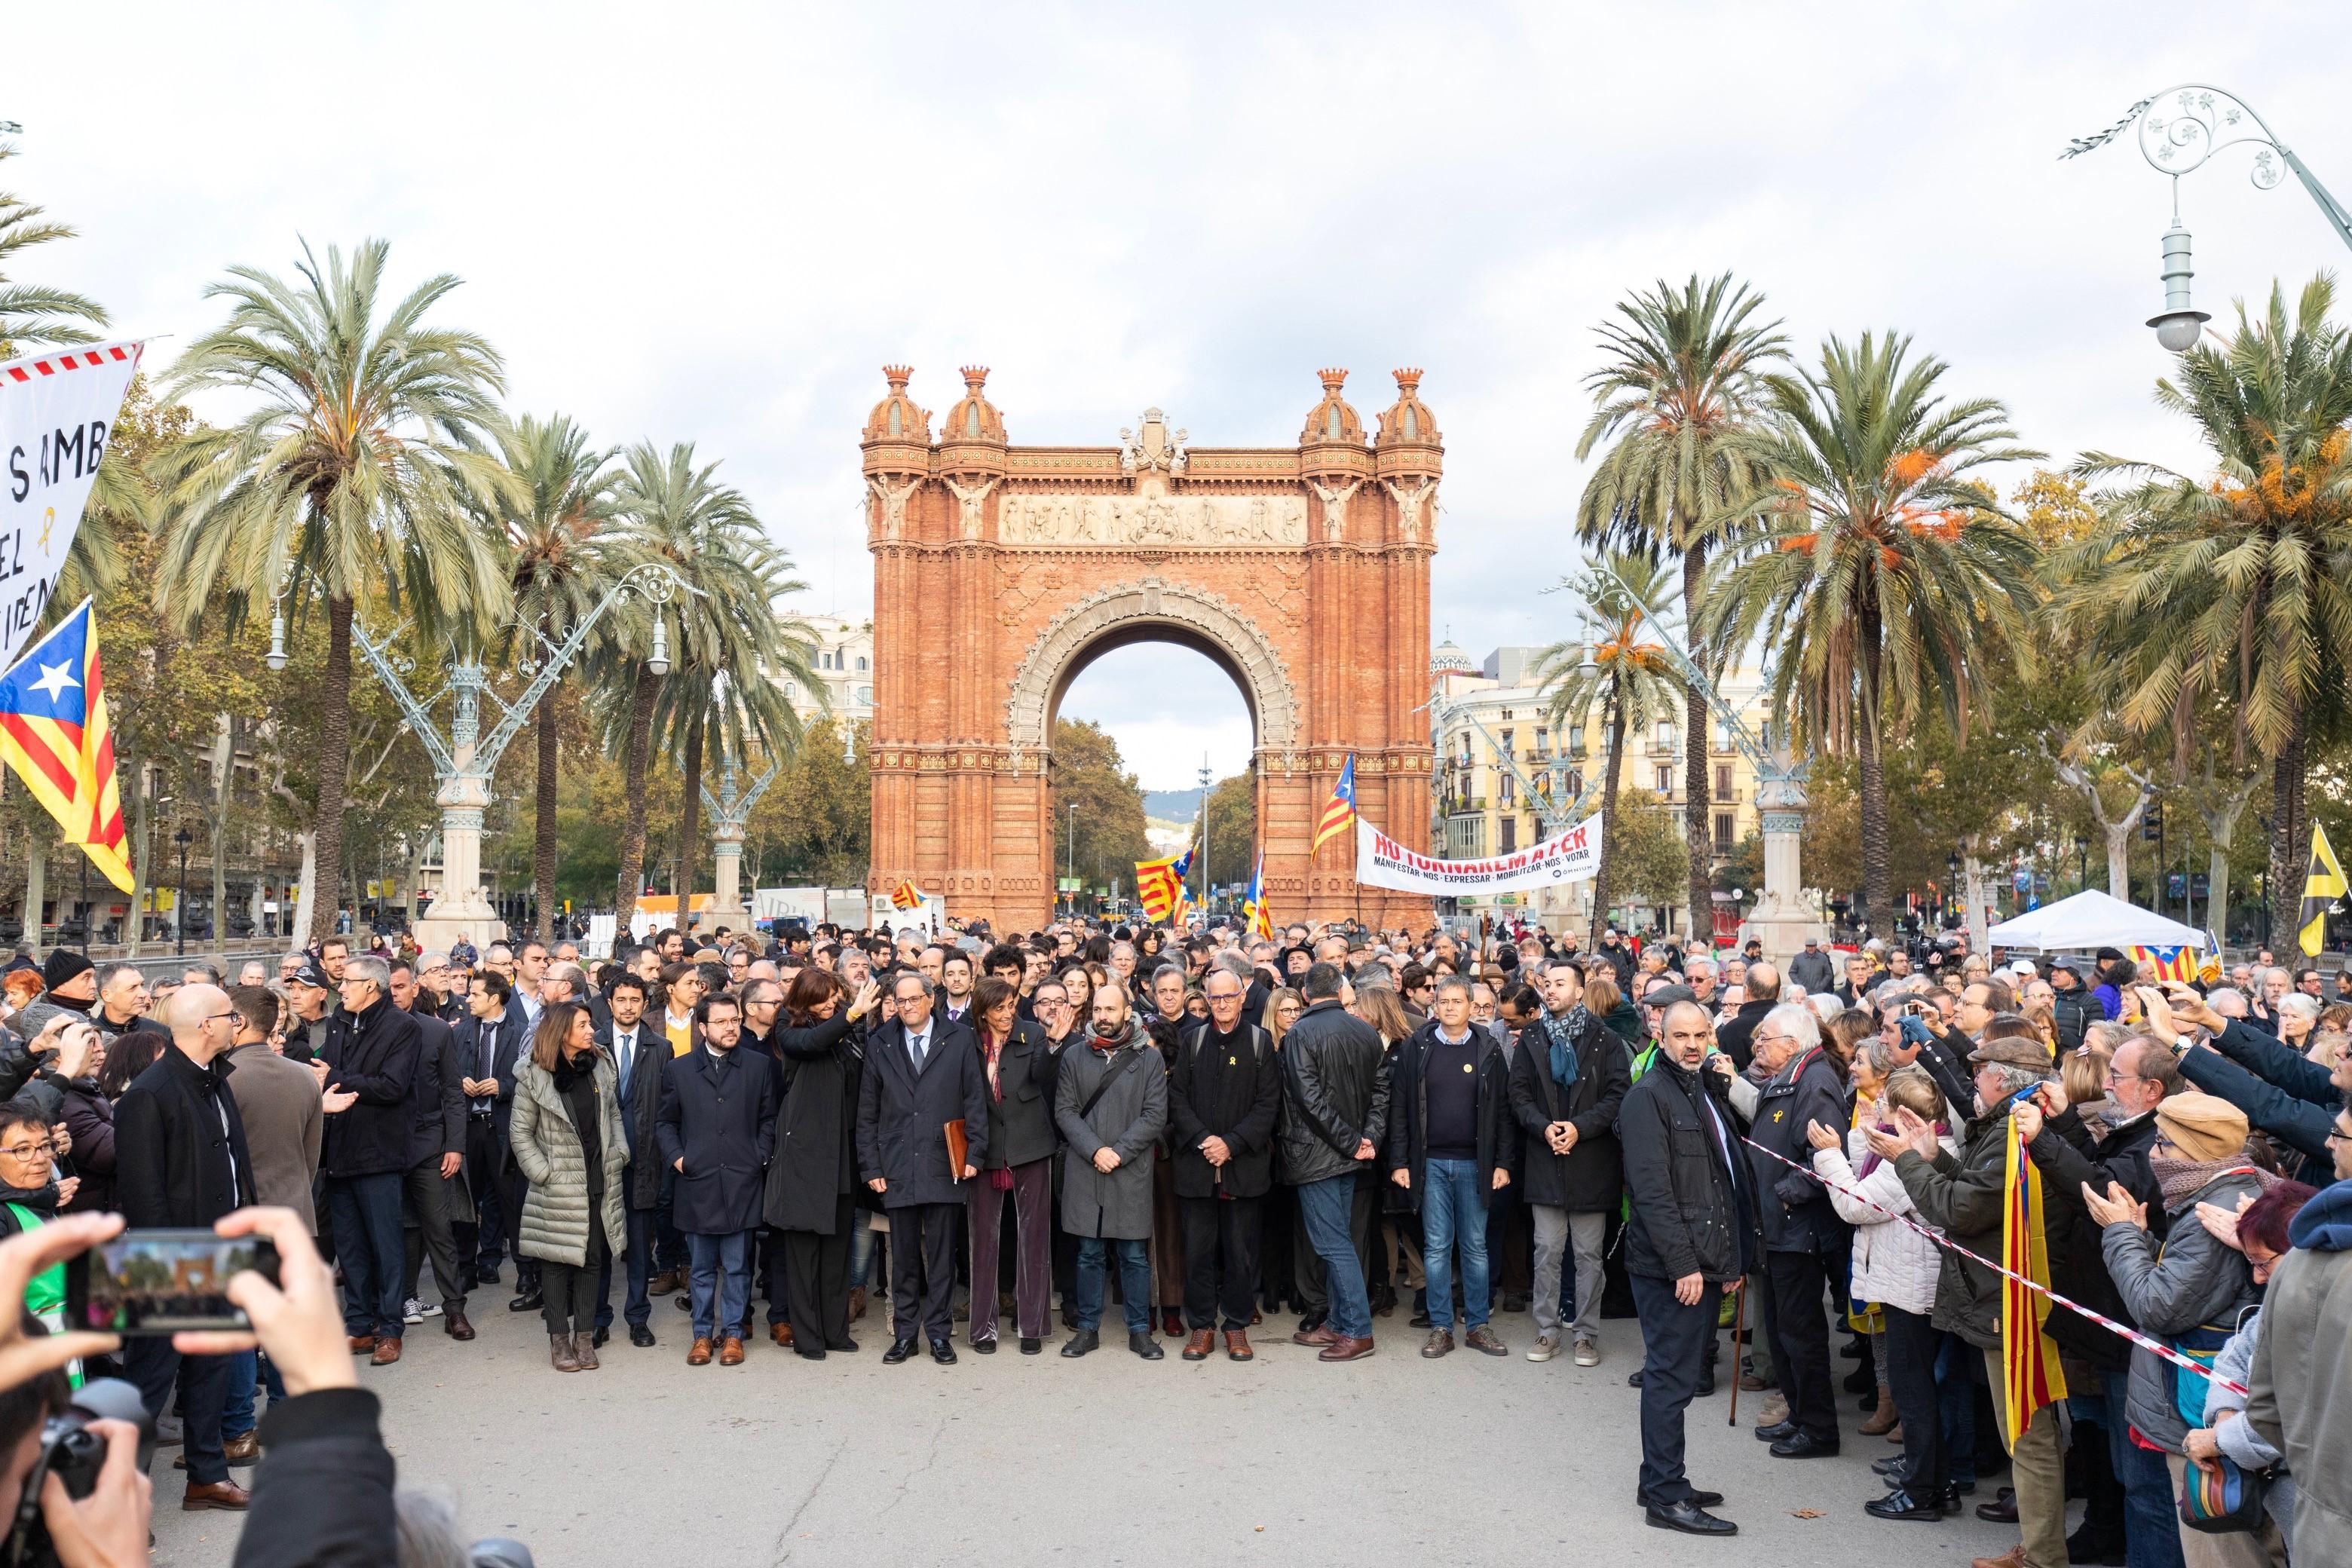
x,y
1224,1089
489,1042
717,1128
638,1051
433,1187
371,1054
922,1071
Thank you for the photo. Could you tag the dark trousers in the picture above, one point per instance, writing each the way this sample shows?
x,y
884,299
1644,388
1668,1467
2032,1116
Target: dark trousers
x,y
153,1364
1307,1279
1908,1351
1220,1260
1031,1192
498,1186
1674,1353
638,1267
923,1271
1095,1253
428,1200
816,1281
1801,1341
767,1271
365,1213
571,1289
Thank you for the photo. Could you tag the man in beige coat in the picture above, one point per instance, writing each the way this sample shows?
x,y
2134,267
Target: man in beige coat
x,y
281,1106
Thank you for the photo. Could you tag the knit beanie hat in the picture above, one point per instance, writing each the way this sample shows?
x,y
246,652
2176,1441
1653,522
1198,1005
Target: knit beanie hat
x,y
63,965
2202,1126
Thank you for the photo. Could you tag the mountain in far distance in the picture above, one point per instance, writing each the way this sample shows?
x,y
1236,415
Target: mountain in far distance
x,y
1173,805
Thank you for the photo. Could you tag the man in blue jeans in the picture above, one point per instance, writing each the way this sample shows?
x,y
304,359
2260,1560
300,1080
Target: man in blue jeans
x,y
1450,1143
1111,1102
1335,1083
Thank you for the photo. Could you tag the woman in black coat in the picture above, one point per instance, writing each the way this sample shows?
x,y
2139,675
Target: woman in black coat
x,y
1019,1064
812,1180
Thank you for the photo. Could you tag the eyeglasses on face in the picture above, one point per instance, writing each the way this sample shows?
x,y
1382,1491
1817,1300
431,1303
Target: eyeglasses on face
x,y
30,1150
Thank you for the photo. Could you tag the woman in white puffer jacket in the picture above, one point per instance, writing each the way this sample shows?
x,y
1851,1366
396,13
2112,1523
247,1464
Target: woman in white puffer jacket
x,y
1897,1268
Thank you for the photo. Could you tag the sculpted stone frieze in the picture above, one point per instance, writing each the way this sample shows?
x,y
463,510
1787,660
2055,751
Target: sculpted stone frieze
x,y
1277,521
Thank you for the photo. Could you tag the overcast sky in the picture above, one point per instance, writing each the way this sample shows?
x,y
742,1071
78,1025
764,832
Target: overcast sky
x,y
716,222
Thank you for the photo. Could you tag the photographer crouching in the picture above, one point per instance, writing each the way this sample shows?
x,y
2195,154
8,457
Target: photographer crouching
x,y
73,1473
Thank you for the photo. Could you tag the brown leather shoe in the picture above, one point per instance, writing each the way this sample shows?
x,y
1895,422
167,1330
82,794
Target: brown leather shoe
x,y
242,1450
1320,1334
217,1494
1440,1343
362,1343
387,1351
2012,1558
731,1351
782,1333
560,1354
667,1283
1197,1344
1342,1348
1237,1346
856,1302
700,1354
456,1326
1482,1339
583,1351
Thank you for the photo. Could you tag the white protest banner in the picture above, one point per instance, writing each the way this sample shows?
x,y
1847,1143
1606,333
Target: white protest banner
x,y
1568,857
57,416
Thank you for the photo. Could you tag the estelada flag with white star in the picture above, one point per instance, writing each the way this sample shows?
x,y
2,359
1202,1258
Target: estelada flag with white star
x,y
54,735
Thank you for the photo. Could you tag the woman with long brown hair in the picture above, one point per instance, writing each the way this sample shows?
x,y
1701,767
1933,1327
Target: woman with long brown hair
x,y
811,1185
567,1137
1021,1068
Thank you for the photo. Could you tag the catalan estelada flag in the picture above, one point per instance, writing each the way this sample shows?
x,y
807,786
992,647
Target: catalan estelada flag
x,y
2032,1376
2323,885
53,735
906,896
1339,814
2181,963
1160,885
1260,919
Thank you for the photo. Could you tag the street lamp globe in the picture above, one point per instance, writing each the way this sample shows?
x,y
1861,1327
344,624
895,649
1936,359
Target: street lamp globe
x,y
658,662
2178,325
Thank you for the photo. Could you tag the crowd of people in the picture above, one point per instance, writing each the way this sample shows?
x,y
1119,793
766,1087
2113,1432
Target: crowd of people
x,y
938,1134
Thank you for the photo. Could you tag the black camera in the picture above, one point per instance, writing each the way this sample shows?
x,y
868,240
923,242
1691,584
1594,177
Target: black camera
x,y
70,1451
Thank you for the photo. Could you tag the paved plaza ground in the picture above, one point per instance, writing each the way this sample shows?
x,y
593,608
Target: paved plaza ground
x,y
1008,1459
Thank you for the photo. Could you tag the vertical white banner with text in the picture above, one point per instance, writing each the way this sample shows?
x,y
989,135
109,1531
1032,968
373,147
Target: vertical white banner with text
x,y
57,420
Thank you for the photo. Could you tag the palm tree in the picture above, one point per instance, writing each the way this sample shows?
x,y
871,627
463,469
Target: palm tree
x,y
1885,576
562,570
360,472
32,317
2236,587
1622,665
1682,375
726,621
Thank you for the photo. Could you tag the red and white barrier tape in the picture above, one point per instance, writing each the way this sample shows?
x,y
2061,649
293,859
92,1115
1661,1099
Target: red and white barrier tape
x,y
2154,1347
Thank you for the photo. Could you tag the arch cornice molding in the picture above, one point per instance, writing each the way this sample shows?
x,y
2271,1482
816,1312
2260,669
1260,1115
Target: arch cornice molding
x,y
1153,601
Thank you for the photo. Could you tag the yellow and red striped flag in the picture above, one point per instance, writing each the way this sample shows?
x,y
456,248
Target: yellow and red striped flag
x,y
906,896
1160,885
2032,1377
54,735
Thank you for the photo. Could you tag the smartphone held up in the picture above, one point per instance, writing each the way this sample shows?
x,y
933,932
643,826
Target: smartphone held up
x,y
151,1282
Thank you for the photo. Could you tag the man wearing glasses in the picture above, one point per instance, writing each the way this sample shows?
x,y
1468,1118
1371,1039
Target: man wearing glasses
x,y
1805,1243
373,1053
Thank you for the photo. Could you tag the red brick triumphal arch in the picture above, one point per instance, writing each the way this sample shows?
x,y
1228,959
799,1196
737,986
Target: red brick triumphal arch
x,y
1001,571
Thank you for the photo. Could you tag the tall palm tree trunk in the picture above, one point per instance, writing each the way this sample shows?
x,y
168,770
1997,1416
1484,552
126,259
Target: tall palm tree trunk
x,y
1877,875
632,832
2289,840
689,826
543,834
1613,770
334,769
1698,824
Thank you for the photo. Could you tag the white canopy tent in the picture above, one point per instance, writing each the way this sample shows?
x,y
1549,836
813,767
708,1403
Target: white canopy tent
x,y
2089,919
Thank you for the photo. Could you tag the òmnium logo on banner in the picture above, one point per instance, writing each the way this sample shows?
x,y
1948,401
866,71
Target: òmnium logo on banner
x,y
1567,857
57,416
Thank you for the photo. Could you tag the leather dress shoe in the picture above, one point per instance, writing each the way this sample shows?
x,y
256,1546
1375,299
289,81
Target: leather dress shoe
x,y
1344,1349
2002,1511
387,1351
1775,1432
1699,1498
1634,1378
1706,1382
1081,1342
899,1350
731,1351
598,1339
362,1343
986,1346
1317,1335
216,1494
667,1283
529,1301
1032,1345
1948,1500
1688,1518
1804,1446
699,1353
2012,1558
1237,1346
1903,1503
782,1333
1198,1344
242,1449
943,1352
456,1326
640,1336
1144,1345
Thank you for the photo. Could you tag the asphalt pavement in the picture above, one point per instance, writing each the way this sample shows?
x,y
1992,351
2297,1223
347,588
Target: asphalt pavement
x,y
1007,1459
